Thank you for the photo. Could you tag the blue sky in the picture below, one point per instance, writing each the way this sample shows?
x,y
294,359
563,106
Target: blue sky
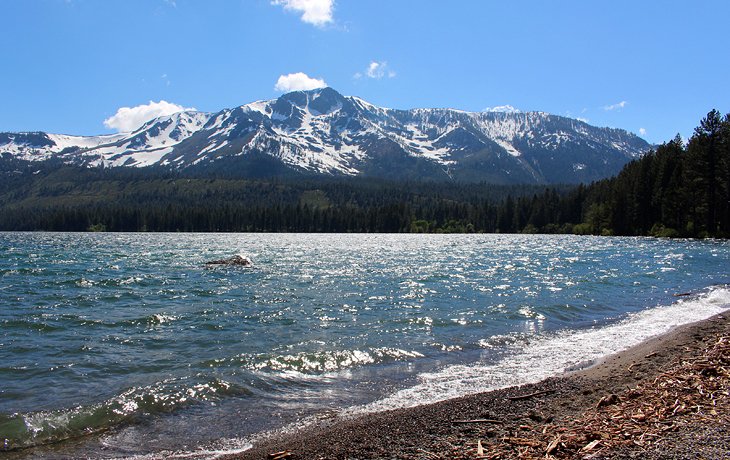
x,y
651,67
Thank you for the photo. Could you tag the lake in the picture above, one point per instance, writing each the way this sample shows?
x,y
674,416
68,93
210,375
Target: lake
x,y
128,345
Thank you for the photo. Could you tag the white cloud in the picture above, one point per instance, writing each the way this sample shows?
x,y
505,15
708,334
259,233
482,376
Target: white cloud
x,y
584,120
502,109
316,12
642,131
619,105
130,118
299,81
376,70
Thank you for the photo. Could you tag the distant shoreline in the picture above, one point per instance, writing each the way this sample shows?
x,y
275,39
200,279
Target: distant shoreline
x,y
523,417
265,232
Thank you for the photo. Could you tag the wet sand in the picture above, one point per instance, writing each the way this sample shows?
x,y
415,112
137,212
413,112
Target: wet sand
x,y
560,417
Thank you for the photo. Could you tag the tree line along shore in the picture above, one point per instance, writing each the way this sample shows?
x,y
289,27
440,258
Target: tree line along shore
x,y
679,189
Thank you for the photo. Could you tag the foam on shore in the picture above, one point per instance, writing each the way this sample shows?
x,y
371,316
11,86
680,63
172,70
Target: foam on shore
x,y
554,354
545,356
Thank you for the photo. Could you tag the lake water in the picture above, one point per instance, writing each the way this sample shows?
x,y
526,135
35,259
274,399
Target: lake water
x,y
122,345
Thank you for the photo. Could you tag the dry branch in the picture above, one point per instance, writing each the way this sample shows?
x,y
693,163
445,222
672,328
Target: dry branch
x,y
478,420
530,395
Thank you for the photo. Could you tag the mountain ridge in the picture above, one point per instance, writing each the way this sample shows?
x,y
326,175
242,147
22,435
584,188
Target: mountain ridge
x,y
323,132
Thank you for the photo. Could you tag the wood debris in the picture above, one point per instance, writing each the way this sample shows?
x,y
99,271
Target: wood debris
x,y
691,391
522,441
608,401
478,420
553,446
528,396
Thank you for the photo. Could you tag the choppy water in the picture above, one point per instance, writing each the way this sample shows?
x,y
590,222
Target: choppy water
x,y
126,345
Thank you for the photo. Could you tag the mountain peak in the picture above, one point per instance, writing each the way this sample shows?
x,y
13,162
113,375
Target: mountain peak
x,y
317,101
320,131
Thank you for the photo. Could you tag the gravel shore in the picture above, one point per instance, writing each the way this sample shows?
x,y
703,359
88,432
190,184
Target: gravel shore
x,y
665,398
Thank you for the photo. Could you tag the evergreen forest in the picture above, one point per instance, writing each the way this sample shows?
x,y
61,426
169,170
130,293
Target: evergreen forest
x,y
677,190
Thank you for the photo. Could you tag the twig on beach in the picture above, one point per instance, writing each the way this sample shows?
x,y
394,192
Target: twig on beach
x,y
479,420
428,454
608,401
590,446
530,395
522,441
553,446
280,455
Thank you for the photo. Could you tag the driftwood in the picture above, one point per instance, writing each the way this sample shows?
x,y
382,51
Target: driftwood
x,y
280,455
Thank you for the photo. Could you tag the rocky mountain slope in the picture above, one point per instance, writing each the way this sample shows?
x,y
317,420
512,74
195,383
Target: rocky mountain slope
x,y
321,132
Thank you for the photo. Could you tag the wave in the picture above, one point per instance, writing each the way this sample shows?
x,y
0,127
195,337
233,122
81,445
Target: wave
x,y
552,354
45,427
67,321
29,324
24,430
534,360
139,281
314,363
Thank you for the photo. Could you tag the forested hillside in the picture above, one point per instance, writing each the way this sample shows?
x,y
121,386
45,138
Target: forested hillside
x,y
676,190
78,199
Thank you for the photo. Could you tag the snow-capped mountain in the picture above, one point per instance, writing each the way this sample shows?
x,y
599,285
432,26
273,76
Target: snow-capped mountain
x,y
323,132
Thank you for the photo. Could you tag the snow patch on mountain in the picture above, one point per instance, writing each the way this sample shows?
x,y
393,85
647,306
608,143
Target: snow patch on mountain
x,y
321,131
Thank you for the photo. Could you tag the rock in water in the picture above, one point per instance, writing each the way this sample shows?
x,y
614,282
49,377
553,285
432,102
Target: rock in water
x,y
235,260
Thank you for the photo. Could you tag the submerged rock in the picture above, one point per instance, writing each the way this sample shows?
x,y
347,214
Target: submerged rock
x,y
235,260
